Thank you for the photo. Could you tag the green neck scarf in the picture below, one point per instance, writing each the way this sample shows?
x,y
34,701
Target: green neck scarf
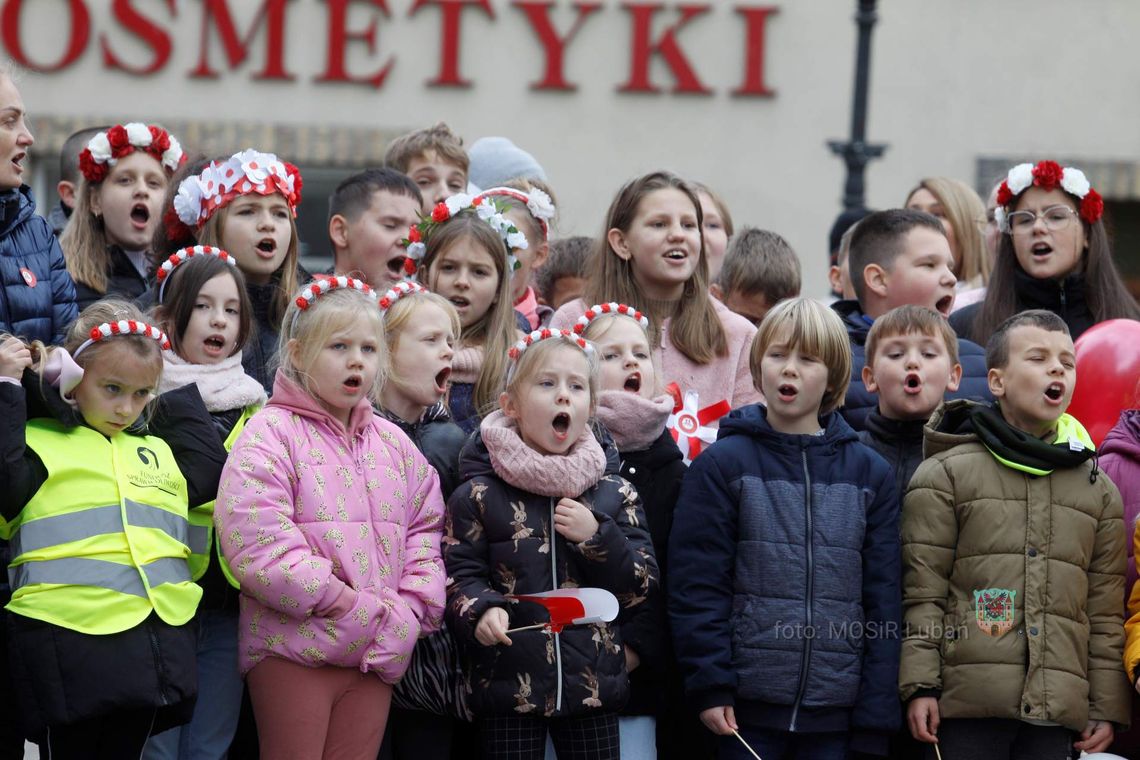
x,y
1023,452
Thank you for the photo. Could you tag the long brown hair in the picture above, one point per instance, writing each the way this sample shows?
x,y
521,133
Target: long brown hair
x,y
696,329
84,241
1104,290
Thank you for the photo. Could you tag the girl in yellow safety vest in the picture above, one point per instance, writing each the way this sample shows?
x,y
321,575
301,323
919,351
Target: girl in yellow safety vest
x,y
204,307
95,508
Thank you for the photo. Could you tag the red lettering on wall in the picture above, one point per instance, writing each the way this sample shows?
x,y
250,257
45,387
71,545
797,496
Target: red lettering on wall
x,y
80,33
340,36
451,12
755,20
146,30
538,14
216,13
642,48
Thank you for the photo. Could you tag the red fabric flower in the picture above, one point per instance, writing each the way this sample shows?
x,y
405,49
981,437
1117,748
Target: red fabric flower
x,y
120,142
91,170
1004,196
1092,207
414,235
160,140
297,183
440,213
1047,175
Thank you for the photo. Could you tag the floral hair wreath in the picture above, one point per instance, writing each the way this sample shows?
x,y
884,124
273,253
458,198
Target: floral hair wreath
x,y
398,291
105,149
1047,175
184,255
545,334
602,309
537,203
250,171
318,288
123,327
487,210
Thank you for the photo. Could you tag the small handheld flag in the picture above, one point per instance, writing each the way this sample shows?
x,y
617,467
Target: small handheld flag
x,y
571,606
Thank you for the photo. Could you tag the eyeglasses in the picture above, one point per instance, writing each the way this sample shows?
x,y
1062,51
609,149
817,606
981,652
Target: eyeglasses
x,y
1055,217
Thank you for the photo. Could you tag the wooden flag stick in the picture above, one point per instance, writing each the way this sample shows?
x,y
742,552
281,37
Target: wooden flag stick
x,y
937,752
527,628
747,747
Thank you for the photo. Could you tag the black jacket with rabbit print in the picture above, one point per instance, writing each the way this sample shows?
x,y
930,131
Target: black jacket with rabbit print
x,y
499,541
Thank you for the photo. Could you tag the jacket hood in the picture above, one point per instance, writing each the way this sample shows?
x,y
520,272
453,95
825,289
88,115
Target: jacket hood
x,y
475,461
852,315
752,420
1124,438
292,397
949,426
16,206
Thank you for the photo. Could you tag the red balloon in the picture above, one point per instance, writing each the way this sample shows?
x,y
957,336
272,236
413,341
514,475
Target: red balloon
x,y
1108,375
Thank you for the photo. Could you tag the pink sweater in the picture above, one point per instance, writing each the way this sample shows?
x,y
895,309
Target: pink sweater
x,y
334,536
725,378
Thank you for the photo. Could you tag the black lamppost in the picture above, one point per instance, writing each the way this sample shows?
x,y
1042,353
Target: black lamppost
x,y
856,152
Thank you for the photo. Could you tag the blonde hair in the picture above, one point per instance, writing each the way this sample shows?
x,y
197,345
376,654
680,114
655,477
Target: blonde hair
x,y
910,320
721,206
496,330
535,358
285,277
966,214
600,326
399,315
312,327
816,330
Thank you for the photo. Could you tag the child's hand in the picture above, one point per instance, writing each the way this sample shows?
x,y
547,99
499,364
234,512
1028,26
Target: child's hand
x,y
720,720
1096,737
492,628
14,358
573,521
922,716
632,659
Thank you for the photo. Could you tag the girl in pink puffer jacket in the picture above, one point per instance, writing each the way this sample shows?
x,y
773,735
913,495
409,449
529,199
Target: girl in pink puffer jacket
x,y
330,519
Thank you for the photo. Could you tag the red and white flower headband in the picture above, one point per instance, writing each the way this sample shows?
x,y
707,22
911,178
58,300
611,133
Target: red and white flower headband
x,y
415,243
545,334
184,255
1047,175
537,203
401,289
105,149
123,327
242,173
318,288
602,309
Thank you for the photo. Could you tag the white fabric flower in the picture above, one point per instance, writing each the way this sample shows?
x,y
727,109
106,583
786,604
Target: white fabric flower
x,y
416,250
1019,178
172,157
188,201
457,203
1000,220
540,205
1074,182
486,210
255,165
100,148
212,180
138,134
517,241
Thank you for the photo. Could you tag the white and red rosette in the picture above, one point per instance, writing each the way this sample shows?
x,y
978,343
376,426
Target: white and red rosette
x,y
688,424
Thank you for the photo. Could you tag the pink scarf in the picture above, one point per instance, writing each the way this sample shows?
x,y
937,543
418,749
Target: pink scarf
x,y
528,307
568,475
633,421
466,364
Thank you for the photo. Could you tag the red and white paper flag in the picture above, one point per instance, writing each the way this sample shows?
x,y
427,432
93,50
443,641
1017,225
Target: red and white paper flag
x,y
573,606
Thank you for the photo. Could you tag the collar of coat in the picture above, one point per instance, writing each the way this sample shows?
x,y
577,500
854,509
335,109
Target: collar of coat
x,y
1023,452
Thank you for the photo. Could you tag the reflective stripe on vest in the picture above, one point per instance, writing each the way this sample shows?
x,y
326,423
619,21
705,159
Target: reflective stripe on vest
x,y
83,571
199,542
76,526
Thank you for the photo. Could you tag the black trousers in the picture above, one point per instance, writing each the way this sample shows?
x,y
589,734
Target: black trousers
x,y
587,737
109,737
1000,739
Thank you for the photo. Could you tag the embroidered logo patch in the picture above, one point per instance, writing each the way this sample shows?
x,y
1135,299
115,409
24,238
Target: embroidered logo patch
x,y
993,610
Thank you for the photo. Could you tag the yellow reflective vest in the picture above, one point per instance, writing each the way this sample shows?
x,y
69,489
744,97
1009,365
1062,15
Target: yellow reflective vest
x,y
105,540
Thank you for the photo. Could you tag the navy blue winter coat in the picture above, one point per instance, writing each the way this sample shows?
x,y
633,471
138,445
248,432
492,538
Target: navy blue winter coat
x,y
859,401
42,311
784,579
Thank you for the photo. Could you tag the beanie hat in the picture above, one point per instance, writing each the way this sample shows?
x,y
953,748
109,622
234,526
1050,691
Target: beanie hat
x,y
494,160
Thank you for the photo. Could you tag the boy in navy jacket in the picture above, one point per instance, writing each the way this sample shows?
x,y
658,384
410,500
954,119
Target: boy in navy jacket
x,y
785,591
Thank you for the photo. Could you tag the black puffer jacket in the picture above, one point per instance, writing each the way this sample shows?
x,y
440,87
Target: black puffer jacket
x,y
44,310
123,281
439,439
899,442
1065,298
259,354
500,541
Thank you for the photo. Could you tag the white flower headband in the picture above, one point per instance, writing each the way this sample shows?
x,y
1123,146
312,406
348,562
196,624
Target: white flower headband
x,y
401,289
545,334
537,203
318,288
184,255
1047,175
242,173
415,243
123,327
106,148
602,309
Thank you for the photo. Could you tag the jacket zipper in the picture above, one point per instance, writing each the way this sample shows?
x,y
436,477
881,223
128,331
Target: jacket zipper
x,y
1064,301
159,671
554,584
805,660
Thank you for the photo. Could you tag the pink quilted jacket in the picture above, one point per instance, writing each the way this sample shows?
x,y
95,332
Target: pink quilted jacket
x,y
334,536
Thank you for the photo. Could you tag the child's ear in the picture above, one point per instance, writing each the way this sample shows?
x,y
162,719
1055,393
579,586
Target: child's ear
x,y
541,254
96,201
873,387
291,349
955,378
717,292
507,404
616,239
338,231
875,278
996,380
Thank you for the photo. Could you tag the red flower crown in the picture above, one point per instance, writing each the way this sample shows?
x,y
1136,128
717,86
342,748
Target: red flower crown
x,y
123,327
105,149
1047,175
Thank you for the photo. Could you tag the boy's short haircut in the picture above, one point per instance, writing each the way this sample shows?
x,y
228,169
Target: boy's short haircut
x,y
353,195
439,138
72,147
997,349
760,261
568,258
817,330
911,320
878,239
